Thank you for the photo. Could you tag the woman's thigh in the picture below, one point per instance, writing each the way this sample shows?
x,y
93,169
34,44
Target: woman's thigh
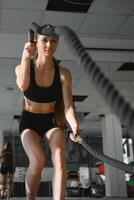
x,y
31,144
55,138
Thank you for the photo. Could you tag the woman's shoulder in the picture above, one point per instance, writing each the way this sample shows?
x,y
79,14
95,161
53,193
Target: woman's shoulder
x,y
64,70
65,73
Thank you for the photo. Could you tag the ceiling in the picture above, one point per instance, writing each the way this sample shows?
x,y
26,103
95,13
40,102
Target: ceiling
x,y
106,30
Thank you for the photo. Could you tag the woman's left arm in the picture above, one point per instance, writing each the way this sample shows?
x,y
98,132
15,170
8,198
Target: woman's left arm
x,y
66,80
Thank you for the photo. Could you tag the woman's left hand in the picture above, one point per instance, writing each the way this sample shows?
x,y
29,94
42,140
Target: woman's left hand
x,y
73,135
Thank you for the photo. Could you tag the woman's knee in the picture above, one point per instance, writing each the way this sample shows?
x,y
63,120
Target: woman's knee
x,y
58,158
37,163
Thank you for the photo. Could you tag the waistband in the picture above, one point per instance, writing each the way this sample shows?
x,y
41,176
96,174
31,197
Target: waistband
x,y
25,112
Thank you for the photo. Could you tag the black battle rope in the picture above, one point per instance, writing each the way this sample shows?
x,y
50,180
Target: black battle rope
x,y
113,162
111,95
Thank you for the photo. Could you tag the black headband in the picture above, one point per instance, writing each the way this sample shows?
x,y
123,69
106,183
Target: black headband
x,y
46,30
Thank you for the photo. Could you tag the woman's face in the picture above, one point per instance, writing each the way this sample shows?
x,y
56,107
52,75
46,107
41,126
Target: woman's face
x,y
47,45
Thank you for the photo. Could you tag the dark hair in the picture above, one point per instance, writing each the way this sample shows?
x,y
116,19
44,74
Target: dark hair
x,y
7,145
46,30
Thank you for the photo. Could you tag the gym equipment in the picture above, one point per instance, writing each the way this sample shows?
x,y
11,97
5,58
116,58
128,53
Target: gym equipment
x,y
31,35
107,90
103,157
102,84
97,190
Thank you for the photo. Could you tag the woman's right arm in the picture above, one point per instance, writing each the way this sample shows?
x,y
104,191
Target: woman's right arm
x,y
22,71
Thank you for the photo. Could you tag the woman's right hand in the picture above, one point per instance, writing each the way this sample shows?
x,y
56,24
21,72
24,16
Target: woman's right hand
x,y
29,49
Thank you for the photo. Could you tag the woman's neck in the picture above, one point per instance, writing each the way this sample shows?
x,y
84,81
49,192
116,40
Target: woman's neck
x,y
44,62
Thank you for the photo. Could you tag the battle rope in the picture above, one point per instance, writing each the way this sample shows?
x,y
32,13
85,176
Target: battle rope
x,y
111,95
113,162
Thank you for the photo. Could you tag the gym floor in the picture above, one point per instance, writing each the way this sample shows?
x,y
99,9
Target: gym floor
x,y
73,198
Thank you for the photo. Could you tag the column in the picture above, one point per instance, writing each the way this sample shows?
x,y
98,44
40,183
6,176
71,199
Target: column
x,y
112,146
1,140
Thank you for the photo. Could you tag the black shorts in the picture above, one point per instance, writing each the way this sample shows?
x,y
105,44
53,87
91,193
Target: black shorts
x,y
6,168
37,122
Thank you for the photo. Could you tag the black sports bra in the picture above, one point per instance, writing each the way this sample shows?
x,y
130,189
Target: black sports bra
x,y
43,94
